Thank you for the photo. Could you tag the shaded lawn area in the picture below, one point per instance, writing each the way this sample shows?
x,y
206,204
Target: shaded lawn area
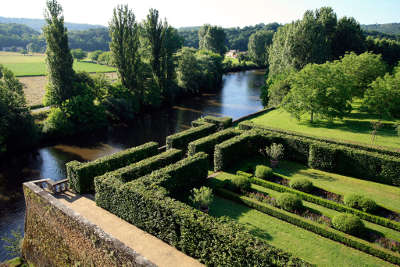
x,y
300,242
356,128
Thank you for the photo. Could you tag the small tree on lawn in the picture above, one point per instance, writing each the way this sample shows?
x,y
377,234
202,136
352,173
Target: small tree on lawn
x,y
202,198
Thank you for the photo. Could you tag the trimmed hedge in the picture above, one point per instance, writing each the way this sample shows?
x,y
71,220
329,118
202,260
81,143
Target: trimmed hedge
x,y
289,202
221,122
146,203
232,150
328,203
340,159
207,144
349,223
263,172
314,227
146,166
301,184
81,175
182,139
248,125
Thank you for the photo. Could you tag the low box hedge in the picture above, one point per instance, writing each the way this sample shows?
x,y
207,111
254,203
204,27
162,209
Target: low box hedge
x,y
182,139
81,175
328,203
146,166
207,144
147,203
314,227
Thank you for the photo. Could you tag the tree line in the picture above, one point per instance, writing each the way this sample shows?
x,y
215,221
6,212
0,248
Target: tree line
x,y
320,64
153,69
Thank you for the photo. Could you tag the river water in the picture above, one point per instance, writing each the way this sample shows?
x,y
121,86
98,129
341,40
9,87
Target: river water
x,y
238,97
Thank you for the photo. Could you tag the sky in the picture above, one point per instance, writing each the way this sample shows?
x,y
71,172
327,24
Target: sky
x,y
225,13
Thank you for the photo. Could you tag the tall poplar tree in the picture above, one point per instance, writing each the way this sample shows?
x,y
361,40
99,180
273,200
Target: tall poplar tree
x,y
124,48
58,56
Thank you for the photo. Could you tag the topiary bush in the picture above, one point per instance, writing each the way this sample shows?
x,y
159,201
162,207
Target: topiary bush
x,y
289,202
241,183
360,202
301,184
349,224
263,172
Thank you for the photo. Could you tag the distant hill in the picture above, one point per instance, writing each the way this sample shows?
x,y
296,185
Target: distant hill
x,y
37,24
388,28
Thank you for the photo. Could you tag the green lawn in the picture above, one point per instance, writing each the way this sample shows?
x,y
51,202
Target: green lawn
x,y
300,242
385,195
34,65
356,128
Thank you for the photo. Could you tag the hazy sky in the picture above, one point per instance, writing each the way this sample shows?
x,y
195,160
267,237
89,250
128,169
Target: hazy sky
x,y
226,13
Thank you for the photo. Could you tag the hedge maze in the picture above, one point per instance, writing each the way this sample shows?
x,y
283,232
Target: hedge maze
x,y
150,189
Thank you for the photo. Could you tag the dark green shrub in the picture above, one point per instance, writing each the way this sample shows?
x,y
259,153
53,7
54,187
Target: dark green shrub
x,y
289,202
349,224
360,202
182,139
368,205
301,184
263,172
241,183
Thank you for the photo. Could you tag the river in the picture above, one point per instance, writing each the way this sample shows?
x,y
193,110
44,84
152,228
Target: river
x,y
238,97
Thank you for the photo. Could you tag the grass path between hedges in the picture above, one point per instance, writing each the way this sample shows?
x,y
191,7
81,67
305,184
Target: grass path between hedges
x,y
355,128
385,195
301,243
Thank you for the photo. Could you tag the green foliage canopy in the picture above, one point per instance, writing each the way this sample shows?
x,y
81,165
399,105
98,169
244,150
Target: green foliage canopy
x,y
258,46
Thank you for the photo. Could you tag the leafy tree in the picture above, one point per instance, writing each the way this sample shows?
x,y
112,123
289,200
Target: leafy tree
x,y
188,70
58,56
389,49
347,37
16,124
95,55
212,38
383,96
299,43
361,70
321,90
258,46
276,88
124,48
78,54
106,58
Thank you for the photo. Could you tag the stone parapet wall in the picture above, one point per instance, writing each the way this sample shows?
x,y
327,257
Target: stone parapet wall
x,y
55,235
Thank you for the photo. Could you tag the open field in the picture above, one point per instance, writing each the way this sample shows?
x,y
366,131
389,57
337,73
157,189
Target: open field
x,y
355,128
300,242
34,65
35,87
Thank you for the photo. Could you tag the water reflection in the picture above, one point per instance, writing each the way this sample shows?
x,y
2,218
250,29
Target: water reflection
x,y
238,97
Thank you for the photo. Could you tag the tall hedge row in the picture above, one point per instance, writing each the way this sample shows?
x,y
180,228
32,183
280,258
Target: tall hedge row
x,y
182,139
328,203
147,203
229,152
207,144
248,125
81,175
146,166
317,228
319,155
